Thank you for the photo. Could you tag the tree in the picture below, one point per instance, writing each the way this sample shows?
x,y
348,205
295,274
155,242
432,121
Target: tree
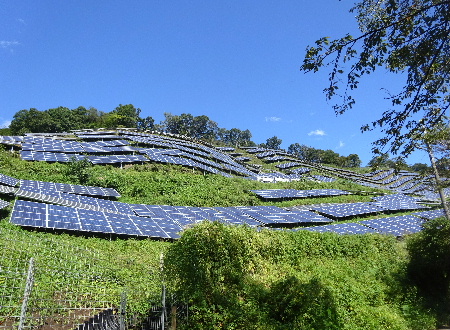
x,y
61,120
31,121
273,143
353,160
419,167
438,136
200,127
235,137
146,123
403,36
123,116
305,153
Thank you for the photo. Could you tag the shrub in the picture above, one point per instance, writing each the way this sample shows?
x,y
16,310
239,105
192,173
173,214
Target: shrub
x,y
429,265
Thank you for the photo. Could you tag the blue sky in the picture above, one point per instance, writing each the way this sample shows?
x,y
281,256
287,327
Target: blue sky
x,y
235,61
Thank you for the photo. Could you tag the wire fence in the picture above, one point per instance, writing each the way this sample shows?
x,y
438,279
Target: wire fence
x,y
49,284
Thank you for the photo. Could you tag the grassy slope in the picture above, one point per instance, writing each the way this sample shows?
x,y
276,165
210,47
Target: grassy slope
x,y
172,185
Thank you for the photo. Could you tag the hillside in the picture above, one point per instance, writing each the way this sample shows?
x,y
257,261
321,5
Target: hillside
x,y
80,272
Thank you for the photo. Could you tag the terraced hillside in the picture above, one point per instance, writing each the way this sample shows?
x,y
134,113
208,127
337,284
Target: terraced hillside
x,y
87,186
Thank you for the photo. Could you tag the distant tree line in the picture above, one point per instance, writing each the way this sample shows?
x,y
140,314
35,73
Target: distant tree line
x,y
324,156
62,119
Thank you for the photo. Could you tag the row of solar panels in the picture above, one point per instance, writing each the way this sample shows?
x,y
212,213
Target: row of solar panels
x,y
398,225
36,186
168,222
275,194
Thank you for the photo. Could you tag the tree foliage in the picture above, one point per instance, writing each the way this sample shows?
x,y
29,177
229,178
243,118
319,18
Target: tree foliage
x,y
63,119
273,143
235,137
323,156
411,37
198,127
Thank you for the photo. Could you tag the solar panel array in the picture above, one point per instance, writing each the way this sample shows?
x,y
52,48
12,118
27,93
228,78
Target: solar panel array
x,y
8,180
7,190
398,202
294,193
11,140
88,214
322,178
347,210
431,214
3,204
49,216
38,186
79,201
341,228
288,165
398,226
49,156
117,159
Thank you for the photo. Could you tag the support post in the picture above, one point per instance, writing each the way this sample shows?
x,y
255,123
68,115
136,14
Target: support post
x,y
123,304
26,294
438,181
163,291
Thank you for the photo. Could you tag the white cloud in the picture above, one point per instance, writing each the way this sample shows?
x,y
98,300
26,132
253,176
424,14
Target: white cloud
x,y
8,44
273,119
341,144
5,123
317,132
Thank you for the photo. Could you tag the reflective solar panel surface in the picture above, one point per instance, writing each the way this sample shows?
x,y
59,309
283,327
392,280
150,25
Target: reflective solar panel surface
x,y
432,214
48,216
342,228
8,180
43,186
398,226
7,189
347,209
3,204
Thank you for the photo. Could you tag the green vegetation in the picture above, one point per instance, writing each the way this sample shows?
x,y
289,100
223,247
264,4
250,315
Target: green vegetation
x,y
233,277
237,278
410,38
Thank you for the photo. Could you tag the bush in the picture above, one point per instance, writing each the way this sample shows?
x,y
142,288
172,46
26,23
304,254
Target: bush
x,y
238,278
429,265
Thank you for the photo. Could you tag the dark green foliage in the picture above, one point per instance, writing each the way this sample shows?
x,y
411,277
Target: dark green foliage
x,y
429,266
198,127
235,137
62,119
78,171
330,157
238,278
273,143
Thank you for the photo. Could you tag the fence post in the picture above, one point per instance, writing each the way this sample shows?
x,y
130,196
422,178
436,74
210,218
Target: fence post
x,y
163,293
27,293
123,304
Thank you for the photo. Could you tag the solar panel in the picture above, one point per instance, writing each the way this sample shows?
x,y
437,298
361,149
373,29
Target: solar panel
x,y
49,156
78,201
347,210
38,186
117,159
7,190
432,214
33,214
322,178
3,204
8,180
293,193
342,228
398,205
398,226
308,217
